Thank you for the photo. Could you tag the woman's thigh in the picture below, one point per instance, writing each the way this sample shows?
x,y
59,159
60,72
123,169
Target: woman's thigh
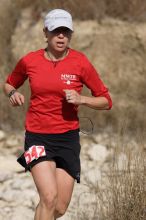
x,y
50,180
65,185
44,175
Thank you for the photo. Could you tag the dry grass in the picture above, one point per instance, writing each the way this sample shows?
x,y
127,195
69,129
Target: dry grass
x,y
93,9
125,196
121,195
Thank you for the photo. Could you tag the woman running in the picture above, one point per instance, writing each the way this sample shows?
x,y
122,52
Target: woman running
x,y
52,148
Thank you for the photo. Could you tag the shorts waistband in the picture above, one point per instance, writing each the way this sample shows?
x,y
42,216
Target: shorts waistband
x,y
54,135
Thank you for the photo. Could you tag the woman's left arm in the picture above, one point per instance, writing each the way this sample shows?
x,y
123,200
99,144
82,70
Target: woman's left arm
x,y
99,103
100,98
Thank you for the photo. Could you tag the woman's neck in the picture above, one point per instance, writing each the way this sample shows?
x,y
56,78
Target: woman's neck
x,y
56,56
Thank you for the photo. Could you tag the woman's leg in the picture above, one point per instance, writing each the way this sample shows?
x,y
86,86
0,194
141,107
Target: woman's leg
x,y
37,212
65,184
44,175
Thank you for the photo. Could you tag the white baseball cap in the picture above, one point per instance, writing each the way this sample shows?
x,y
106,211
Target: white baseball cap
x,y
58,18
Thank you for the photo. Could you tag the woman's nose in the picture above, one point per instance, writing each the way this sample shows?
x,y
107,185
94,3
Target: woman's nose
x,y
60,35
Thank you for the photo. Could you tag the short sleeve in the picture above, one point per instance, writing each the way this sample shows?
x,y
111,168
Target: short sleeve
x,y
18,75
90,77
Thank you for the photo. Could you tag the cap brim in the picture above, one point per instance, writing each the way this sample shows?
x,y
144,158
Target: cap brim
x,y
61,24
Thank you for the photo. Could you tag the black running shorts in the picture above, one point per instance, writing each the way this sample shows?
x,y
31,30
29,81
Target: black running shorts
x,y
63,148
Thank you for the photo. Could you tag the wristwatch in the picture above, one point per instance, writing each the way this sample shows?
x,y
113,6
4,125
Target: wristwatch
x,y
11,93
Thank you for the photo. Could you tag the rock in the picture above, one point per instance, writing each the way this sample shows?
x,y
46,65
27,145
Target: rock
x,y
92,176
5,176
23,183
2,135
2,144
98,153
10,195
12,141
9,163
22,213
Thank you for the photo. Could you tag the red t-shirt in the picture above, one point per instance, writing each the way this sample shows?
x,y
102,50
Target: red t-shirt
x,y
49,111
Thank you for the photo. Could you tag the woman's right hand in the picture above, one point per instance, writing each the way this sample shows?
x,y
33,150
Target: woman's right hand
x,y
17,99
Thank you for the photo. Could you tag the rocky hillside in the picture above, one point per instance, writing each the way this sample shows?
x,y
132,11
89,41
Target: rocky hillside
x,y
18,196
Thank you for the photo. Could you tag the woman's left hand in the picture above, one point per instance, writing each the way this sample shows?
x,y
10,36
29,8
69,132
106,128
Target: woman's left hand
x,y
73,97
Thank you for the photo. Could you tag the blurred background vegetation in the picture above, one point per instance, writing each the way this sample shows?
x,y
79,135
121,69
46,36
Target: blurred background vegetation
x,y
123,70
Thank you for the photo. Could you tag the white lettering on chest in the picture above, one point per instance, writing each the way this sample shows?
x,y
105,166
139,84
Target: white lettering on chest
x,y
68,78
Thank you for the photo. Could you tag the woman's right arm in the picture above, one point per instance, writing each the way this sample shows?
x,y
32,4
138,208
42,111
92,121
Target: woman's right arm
x,y
14,81
15,97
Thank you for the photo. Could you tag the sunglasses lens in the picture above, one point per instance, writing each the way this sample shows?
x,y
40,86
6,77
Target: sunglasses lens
x,y
61,30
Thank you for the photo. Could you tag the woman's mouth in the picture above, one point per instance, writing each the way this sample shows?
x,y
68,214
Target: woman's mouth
x,y
60,44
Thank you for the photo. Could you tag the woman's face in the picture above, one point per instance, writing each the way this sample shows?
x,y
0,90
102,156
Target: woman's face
x,y
58,39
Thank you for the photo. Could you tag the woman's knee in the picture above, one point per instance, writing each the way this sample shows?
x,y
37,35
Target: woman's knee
x,y
49,200
60,209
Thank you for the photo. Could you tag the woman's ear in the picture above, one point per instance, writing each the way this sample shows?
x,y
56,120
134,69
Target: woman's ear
x,y
45,31
45,34
70,36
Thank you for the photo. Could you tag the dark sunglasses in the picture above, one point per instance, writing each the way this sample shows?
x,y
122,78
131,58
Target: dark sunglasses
x,y
62,30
